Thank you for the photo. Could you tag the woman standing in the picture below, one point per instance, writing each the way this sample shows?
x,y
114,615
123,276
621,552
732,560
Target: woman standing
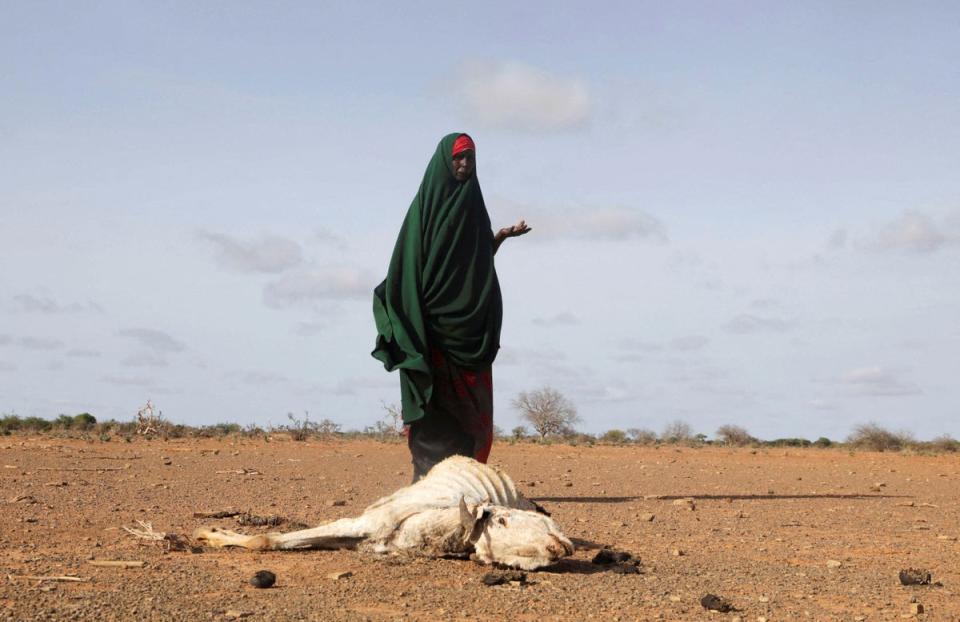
x,y
439,311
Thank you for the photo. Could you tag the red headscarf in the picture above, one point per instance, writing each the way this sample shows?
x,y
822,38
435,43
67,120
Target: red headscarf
x,y
463,143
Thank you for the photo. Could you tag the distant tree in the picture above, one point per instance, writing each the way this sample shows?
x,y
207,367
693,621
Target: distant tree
x,y
677,432
548,411
616,437
823,441
734,435
518,433
876,438
642,436
84,421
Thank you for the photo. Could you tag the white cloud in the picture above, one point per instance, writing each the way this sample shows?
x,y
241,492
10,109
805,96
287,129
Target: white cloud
x,y
156,340
837,240
877,381
560,319
689,343
309,329
746,323
521,97
593,223
144,359
39,343
83,353
267,254
916,232
249,378
126,381
29,303
318,285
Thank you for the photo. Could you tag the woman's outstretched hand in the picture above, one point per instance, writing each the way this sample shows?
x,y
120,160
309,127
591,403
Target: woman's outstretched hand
x,y
510,232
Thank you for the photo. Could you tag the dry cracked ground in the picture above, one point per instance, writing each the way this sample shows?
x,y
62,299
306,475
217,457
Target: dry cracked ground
x,y
815,534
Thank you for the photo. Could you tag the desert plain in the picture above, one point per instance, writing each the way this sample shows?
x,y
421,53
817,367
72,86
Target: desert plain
x,y
779,533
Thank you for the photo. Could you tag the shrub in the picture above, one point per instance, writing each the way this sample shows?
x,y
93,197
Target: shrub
x,y
823,441
944,444
84,421
788,442
876,438
642,436
677,432
734,435
518,433
616,437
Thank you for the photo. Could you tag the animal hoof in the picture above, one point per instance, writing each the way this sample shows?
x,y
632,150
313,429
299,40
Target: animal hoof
x,y
263,579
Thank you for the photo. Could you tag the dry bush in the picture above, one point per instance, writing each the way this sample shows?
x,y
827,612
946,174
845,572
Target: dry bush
x,y
614,437
734,435
642,436
874,437
944,444
548,411
677,432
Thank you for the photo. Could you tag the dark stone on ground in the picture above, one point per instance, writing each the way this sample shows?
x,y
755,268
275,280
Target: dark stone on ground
x,y
505,576
915,576
263,579
712,602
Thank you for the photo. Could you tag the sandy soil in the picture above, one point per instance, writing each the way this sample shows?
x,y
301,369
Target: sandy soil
x,y
767,530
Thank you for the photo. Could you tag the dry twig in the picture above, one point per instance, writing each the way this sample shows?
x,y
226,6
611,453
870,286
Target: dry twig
x,y
116,563
46,578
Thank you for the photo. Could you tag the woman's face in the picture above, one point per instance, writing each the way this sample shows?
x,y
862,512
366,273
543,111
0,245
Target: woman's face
x,y
464,165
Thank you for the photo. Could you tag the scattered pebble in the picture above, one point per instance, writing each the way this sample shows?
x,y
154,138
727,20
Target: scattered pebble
x,y
336,576
647,517
504,576
712,602
687,503
915,576
834,563
263,579
333,503
916,608
234,614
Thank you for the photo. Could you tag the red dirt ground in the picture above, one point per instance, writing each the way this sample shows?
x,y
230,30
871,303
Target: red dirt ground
x,y
765,525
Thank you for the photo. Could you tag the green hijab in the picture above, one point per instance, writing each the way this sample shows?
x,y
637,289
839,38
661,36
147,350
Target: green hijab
x,y
441,289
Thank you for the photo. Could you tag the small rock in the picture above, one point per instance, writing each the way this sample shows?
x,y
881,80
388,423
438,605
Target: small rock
x,y
677,553
675,599
263,579
916,608
761,619
915,576
834,563
611,556
764,599
233,614
687,503
949,538
647,517
333,503
712,602
569,484
336,576
505,576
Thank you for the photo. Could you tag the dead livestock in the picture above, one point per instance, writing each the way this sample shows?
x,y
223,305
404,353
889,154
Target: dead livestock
x,y
462,508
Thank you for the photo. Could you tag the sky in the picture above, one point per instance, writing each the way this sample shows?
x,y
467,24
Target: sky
x,y
743,213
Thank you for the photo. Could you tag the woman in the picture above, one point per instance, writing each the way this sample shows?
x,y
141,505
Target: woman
x,y
439,311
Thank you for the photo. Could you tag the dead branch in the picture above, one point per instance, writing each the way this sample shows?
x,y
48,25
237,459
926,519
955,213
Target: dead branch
x,y
220,514
46,578
97,469
116,563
